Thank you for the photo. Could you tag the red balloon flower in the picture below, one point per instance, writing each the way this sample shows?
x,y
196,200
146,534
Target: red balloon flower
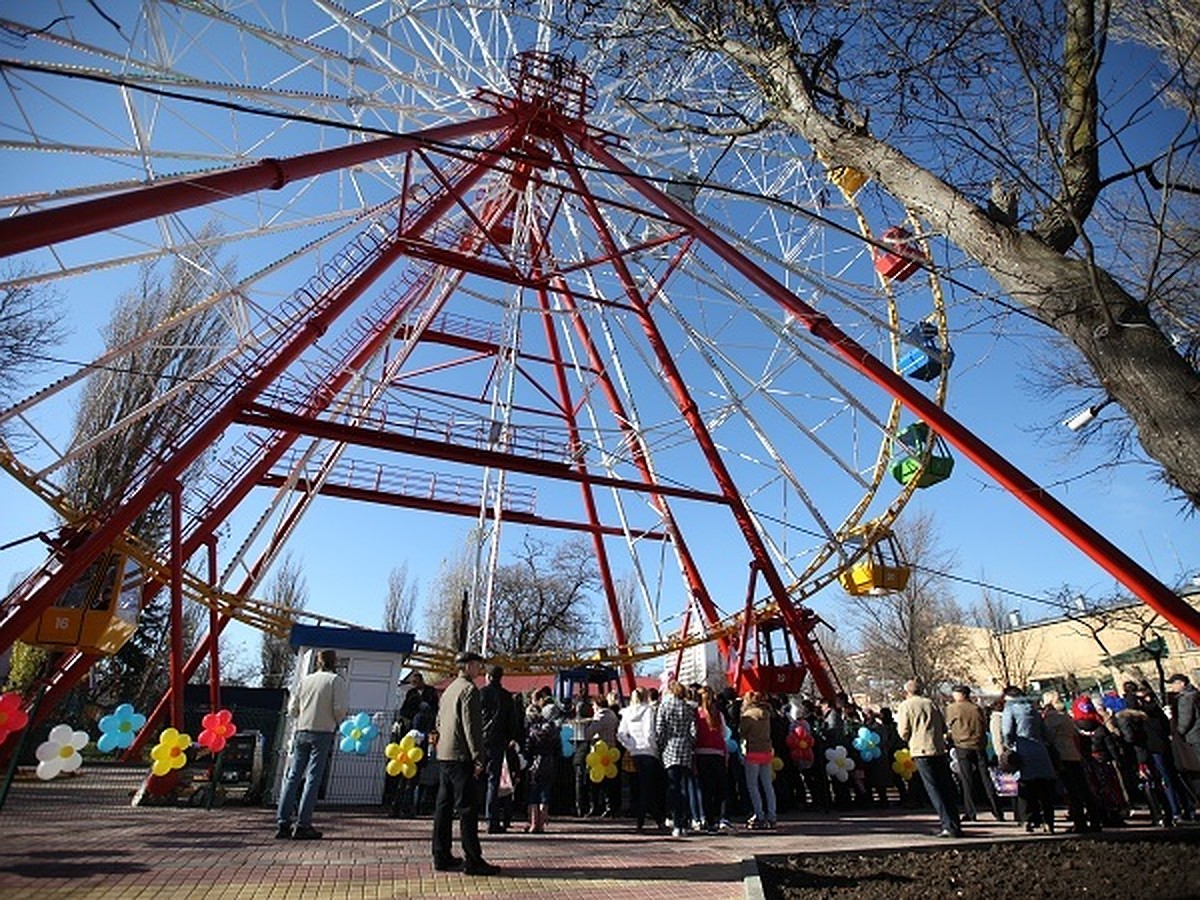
x,y
12,717
218,728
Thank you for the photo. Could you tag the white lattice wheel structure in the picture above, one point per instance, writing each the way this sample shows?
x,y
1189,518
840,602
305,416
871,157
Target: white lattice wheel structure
x,y
90,108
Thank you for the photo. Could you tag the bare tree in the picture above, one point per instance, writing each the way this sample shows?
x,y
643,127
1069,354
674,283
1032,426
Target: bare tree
x,y
631,608
400,607
1009,656
917,631
1118,616
237,666
447,610
120,425
1000,127
288,591
543,600
30,323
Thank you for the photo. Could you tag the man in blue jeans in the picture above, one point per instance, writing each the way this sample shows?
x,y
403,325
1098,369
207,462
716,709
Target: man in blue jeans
x,y
318,705
921,724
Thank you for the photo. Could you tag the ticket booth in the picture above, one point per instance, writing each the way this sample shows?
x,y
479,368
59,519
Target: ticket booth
x,y
371,661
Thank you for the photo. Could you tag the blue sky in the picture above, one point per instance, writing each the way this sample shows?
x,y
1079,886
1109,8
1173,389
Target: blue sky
x,y
347,550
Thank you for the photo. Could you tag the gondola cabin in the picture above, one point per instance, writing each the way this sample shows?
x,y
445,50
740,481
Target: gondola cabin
x,y
848,178
98,613
767,661
923,456
900,258
882,569
927,358
587,680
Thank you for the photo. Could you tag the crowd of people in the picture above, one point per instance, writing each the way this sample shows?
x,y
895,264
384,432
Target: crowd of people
x,y
695,759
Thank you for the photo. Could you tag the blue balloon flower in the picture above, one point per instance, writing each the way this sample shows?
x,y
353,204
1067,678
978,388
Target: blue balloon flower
x,y
731,744
118,728
867,744
357,733
566,733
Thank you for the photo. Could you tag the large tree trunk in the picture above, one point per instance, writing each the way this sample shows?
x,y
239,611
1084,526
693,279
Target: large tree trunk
x,y
1129,354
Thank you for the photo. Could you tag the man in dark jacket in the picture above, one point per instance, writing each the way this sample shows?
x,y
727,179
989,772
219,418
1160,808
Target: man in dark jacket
x,y
966,725
460,761
1185,705
500,731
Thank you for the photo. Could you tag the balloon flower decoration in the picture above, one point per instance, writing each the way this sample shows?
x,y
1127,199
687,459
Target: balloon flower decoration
x,y
732,747
118,728
218,729
800,745
12,717
776,766
903,764
838,763
60,752
602,762
867,744
170,752
404,756
357,733
567,735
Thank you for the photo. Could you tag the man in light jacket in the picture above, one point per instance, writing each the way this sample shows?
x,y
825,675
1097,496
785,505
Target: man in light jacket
x,y
921,724
318,704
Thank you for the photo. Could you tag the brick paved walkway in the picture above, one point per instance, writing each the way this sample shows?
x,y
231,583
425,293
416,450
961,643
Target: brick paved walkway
x,y
64,840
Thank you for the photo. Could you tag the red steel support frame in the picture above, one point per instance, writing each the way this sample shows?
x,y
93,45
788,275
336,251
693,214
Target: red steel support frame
x,y
214,627
123,516
41,228
72,669
1106,554
585,486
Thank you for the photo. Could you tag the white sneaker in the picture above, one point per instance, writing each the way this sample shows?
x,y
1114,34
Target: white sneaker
x,y
676,832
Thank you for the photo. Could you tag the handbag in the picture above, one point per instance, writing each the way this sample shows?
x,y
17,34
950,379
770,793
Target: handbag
x,y
1009,761
505,788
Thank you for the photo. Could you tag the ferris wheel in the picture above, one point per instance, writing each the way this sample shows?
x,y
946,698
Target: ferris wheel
x,y
565,323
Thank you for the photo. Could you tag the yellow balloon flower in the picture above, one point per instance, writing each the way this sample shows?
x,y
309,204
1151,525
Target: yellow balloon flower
x,y
403,757
602,762
170,752
903,764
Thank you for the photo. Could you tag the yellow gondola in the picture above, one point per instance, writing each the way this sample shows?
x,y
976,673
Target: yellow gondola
x,y
882,569
848,178
98,613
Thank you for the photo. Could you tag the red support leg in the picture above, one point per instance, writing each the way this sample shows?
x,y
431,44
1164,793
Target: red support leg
x,y
214,658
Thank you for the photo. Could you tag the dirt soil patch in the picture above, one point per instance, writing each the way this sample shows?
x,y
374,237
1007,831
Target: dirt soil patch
x,y
1146,865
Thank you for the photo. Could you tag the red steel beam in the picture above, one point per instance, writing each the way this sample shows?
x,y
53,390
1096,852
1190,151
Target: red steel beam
x,y
1102,551
259,414
39,229
177,563
408,501
691,415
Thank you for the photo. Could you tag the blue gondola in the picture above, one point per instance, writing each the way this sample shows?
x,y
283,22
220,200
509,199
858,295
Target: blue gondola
x,y
927,358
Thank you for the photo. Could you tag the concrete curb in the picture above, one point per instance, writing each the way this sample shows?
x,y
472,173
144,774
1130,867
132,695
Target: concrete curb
x,y
751,883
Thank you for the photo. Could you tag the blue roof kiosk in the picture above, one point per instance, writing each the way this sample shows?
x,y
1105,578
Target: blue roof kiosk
x,y
371,661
